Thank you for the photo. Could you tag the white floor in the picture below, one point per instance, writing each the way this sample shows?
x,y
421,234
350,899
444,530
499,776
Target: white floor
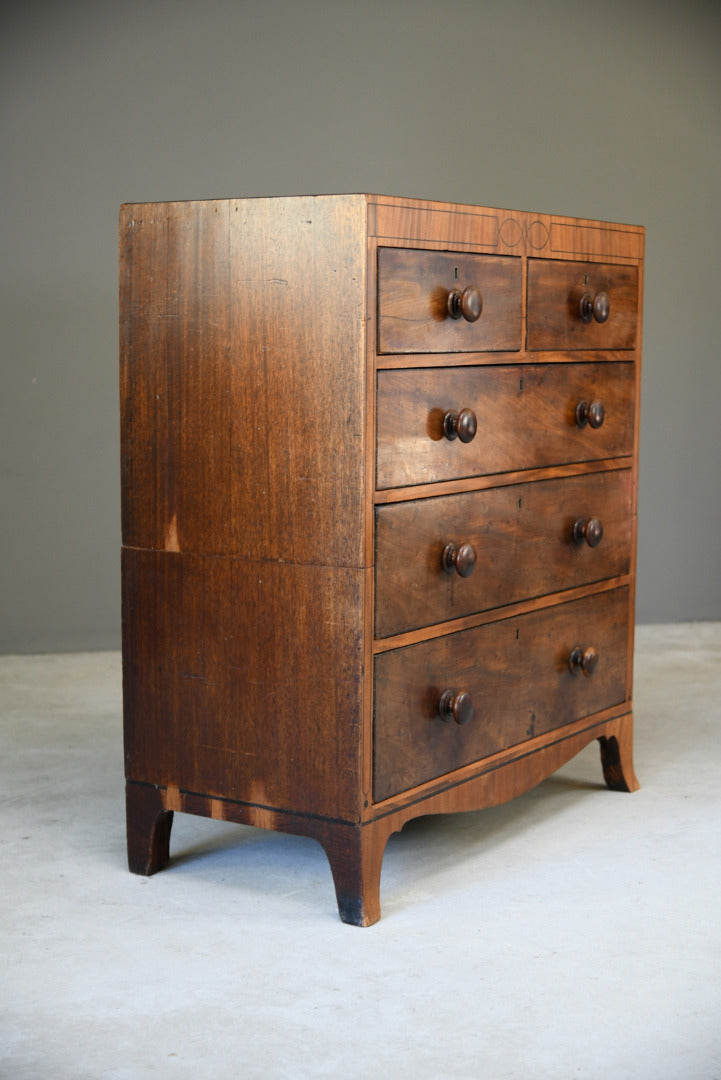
x,y
574,933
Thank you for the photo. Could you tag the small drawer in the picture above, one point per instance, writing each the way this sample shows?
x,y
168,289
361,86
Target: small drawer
x,y
438,424
433,301
443,558
581,305
449,702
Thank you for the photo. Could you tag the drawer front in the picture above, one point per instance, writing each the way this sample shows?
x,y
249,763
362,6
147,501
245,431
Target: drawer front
x,y
442,558
566,301
519,680
525,415
413,302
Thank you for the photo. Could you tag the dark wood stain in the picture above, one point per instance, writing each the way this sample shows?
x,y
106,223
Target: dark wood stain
x,y
305,428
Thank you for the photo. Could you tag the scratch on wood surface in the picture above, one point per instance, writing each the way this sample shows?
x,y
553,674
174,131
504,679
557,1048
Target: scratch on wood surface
x,y
198,678
228,750
172,798
172,540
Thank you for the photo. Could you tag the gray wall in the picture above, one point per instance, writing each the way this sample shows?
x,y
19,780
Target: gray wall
x,y
608,110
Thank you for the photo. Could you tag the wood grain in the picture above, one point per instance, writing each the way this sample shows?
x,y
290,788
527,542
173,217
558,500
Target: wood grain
x,y
219,700
517,674
452,226
233,399
526,419
522,536
413,288
287,491
554,294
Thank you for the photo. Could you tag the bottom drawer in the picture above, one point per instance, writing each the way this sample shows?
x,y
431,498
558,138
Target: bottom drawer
x,y
518,677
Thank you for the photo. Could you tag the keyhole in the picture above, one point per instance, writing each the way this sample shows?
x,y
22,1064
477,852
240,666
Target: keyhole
x,y
455,272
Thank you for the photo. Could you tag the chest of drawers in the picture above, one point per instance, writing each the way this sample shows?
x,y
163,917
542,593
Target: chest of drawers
x,y
378,510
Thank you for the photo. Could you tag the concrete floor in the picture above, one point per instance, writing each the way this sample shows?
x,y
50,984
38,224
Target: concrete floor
x,y
573,933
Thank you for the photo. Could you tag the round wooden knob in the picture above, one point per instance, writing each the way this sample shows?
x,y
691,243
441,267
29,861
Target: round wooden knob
x,y
591,531
596,307
593,414
467,304
460,425
461,559
584,660
458,707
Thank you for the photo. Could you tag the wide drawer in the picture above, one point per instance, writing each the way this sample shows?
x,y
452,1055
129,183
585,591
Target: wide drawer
x,y
518,676
414,313
576,305
442,558
525,416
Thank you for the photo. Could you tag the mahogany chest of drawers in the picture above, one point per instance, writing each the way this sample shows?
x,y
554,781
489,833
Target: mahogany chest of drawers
x,y
378,510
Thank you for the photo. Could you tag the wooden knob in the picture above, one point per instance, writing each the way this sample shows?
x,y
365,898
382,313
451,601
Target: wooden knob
x,y
461,559
596,307
593,414
458,707
467,304
460,425
584,660
591,531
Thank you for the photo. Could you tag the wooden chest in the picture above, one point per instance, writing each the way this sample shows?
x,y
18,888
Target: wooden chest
x,y
379,513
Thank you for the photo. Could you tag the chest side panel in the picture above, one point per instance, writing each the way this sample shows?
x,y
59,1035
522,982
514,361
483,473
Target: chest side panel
x,y
243,378
243,679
